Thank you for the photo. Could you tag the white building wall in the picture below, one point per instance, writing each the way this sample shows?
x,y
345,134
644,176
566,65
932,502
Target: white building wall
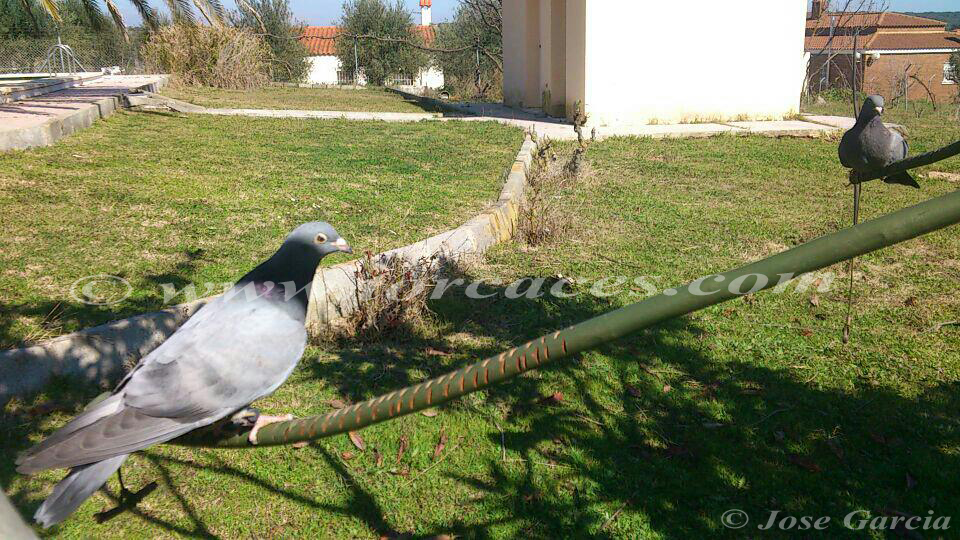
x,y
693,60
634,62
323,70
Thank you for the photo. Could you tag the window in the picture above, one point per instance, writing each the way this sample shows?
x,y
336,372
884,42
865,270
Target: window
x,y
948,75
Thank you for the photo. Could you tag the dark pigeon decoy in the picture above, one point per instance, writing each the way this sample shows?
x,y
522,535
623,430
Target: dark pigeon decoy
x,y
869,145
238,348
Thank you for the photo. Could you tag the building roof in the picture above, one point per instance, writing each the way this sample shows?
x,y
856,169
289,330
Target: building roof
x,y
321,40
886,19
879,31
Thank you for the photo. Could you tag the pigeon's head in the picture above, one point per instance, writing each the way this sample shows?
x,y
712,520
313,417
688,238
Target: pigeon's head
x,y
872,106
316,238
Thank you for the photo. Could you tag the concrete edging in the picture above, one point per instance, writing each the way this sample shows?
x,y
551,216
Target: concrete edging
x,y
99,355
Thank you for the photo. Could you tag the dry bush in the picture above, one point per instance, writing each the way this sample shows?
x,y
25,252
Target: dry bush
x,y
392,295
542,215
217,56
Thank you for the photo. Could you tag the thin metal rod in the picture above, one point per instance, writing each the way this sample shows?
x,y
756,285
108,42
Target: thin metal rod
x,y
840,246
856,219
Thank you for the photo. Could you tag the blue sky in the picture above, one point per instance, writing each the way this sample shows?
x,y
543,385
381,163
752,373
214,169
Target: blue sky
x,y
323,12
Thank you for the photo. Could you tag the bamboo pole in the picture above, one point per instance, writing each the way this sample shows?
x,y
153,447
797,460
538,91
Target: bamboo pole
x,y
845,244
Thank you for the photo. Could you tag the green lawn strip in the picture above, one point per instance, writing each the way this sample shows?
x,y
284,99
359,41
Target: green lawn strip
x,y
318,99
159,199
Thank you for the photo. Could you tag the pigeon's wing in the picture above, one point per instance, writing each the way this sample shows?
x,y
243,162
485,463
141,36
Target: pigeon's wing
x,y
232,354
898,147
236,353
849,150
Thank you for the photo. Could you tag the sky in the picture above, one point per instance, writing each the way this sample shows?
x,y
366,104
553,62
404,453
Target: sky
x,y
325,12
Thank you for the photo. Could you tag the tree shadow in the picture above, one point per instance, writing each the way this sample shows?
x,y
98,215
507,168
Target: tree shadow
x,y
658,434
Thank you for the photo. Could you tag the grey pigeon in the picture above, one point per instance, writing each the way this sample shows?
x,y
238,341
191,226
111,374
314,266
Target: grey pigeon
x,y
869,145
238,348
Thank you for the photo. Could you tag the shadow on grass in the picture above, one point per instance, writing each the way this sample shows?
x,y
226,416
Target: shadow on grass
x,y
658,435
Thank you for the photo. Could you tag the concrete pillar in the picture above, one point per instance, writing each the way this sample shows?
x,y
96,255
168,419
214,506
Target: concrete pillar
x,y
576,55
545,20
558,57
532,87
514,51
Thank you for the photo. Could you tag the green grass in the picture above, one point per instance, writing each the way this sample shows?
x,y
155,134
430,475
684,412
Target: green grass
x,y
278,97
162,199
737,406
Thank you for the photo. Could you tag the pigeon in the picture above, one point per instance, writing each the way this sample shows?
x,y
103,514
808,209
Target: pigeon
x,y
869,145
236,349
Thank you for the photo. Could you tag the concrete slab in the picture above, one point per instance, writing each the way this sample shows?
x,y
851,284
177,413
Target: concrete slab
x,y
840,122
793,128
666,131
44,120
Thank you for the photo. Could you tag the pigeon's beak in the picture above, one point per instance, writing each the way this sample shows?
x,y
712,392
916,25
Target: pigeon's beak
x,y
879,110
343,246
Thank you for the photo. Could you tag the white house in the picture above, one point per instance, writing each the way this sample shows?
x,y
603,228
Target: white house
x,y
326,68
640,62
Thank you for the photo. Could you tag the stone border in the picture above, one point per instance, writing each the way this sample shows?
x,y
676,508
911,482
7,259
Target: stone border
x,y
100,354
58,127
46,85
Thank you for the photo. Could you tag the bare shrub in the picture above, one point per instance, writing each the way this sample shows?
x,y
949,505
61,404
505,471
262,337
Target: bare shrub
x,y
392,295
217,56
542,215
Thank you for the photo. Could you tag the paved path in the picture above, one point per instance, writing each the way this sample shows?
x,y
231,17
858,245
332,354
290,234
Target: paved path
x,y
43,120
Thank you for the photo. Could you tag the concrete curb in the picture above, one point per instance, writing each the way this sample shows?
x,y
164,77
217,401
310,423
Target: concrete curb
x,y
100,355
44,86
56,128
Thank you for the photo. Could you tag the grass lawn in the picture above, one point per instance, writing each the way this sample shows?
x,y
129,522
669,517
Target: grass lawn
x,y
754,404
164,199
277,97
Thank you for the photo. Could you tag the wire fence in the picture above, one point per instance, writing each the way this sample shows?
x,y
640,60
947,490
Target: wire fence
x,y
50,55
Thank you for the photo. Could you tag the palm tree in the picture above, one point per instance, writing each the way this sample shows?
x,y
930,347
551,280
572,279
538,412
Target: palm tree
x,y
180,11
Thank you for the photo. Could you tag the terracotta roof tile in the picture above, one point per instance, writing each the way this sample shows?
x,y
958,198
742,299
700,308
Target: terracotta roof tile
x,y
887,41
321,40
885,19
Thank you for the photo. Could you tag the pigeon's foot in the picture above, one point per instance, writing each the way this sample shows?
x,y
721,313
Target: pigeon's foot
x,y
264,420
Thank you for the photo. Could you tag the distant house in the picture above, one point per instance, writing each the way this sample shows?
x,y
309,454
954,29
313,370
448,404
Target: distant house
x,y
894,51
326,68
640,62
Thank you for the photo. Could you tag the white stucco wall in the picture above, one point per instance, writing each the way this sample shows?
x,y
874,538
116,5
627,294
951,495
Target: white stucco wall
x,y
323,70
637,62
431,77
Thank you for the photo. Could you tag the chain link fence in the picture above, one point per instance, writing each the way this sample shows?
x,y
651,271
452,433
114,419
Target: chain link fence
x,y
89,53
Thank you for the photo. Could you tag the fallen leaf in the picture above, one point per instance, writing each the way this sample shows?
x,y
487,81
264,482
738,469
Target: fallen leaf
x,y
347,455
357,440
554,399
912,301
404,443
804,463
336,403
378,457
633,391
728,312
301,444
667,388
911,483
429,413
815,301
806,332
436,352
440,445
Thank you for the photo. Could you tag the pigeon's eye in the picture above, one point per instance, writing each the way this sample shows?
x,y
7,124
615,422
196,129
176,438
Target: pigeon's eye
x,y
321,238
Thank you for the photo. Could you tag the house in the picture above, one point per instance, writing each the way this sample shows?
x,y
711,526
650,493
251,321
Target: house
x,y
893,51
633,62
326,68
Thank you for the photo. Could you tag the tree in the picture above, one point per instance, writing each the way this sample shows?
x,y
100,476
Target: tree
x,y
273,21
379,58
477,27
181,11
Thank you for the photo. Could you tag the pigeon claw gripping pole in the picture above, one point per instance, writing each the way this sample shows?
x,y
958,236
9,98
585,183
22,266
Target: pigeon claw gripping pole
x,y
842,245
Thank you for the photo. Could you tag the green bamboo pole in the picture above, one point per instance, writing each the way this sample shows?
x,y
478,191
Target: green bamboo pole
x,y
825,251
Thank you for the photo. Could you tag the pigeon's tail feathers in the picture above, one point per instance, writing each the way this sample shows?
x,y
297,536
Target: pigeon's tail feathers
x,y
902,178
78,485
121,433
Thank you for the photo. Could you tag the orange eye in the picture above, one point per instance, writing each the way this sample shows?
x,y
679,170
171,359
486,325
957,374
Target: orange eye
x,y
321,239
